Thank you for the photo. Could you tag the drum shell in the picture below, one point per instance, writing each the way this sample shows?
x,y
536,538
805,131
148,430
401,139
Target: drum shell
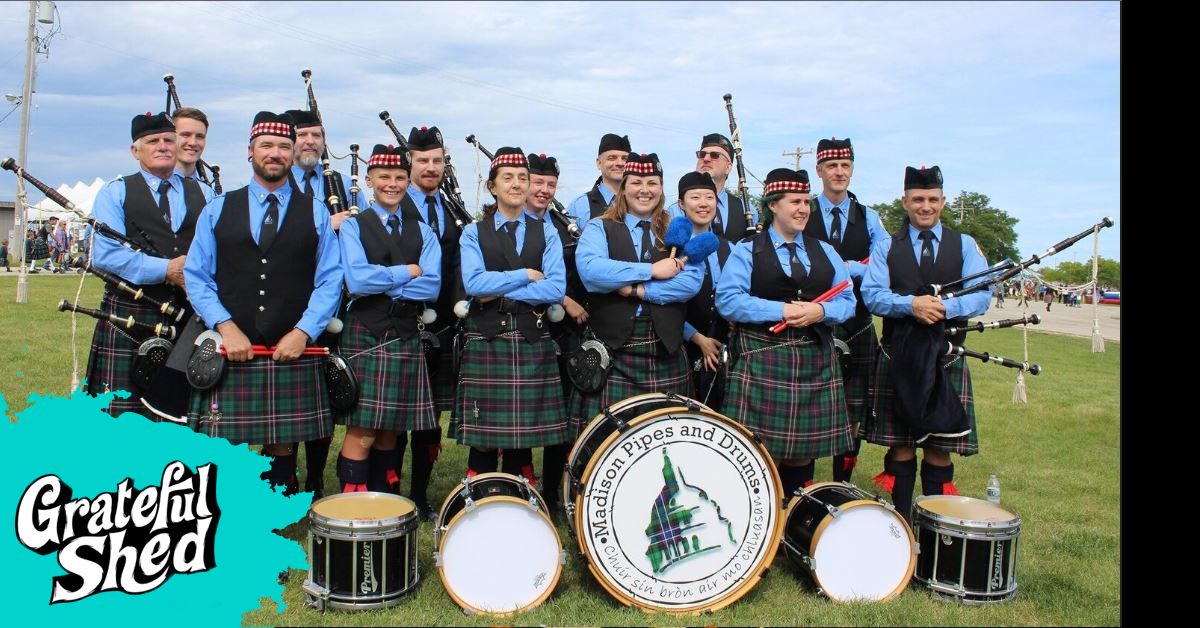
x,y
971,560
362,563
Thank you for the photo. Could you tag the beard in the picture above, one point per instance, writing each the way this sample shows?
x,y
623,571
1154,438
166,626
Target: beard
x,y
261,170
308,162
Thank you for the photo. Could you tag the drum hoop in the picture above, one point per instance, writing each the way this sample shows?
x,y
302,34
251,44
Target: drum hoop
x,y
441,546
859,503
749,580
479,478
352,526
966,525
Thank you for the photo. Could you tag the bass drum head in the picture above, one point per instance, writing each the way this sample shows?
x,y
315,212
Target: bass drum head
x,y
500,557
865,553
680,512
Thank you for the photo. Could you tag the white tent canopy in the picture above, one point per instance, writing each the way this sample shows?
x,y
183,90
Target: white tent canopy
x,y
82,194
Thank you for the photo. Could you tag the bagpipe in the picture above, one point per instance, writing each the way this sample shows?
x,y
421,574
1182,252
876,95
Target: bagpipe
x,y
735,135
213,170
335,189
557,212
455,206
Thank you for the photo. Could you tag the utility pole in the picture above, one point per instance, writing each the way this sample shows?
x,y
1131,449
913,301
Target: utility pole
x,y
800,152
31,39
961,207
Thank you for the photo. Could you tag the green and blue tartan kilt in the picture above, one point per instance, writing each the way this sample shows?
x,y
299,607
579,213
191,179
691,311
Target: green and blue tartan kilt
x,y
641,366
882,426
790,396
267,402
509,392
393,381
110,362
864,346
442,383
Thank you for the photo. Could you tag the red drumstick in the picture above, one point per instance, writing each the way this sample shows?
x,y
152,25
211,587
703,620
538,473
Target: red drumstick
x,y
265,350
825,296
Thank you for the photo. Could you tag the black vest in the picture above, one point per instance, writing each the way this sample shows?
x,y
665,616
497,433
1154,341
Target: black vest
x,y
611,315
266,292
702,308
144,224
452,289
855,245
905,271
383,316
499,254
575,287
596,202
768,281
735,229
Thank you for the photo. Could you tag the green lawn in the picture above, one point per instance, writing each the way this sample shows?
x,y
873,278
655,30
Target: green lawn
x,y
1058,460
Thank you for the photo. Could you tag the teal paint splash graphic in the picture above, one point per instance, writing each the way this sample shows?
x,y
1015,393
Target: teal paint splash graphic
x,y
74,439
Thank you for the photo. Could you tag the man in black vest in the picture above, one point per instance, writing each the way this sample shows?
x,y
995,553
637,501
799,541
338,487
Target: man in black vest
x,y
156,209
852,228
427,203
265,272
610,161
716,158
897,287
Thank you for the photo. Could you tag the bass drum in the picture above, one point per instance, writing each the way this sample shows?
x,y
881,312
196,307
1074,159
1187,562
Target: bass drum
x,y
678,510
496,549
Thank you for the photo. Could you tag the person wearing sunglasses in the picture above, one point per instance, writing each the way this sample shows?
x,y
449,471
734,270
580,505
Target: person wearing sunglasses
x,y
716,158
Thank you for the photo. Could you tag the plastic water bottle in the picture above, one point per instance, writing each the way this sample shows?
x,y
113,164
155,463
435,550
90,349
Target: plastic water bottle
x,y
993,489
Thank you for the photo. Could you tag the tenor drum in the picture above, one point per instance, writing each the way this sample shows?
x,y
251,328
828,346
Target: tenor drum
x,y
363,549
677,509
496,549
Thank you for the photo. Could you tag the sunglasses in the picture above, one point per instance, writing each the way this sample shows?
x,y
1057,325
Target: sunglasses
x,y
711,154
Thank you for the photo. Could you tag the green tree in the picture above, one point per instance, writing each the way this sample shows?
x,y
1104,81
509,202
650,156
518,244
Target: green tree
x,y
991,227
1075,273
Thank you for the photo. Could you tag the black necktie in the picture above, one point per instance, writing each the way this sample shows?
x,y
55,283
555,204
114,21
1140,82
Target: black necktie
x,y
510,228
835,236
431,213
718,227
270,223
926,252
798,272
164,204
393,223
308,180
645,225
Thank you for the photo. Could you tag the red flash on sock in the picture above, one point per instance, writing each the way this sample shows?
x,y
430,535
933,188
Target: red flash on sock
x,y
393,478
849,462
948,488
354,488
433,451
807,483
527,471
472,473
885,481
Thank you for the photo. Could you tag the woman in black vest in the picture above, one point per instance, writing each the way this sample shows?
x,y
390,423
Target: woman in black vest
x,y
786,388
704,330
637,294
393,268
512,268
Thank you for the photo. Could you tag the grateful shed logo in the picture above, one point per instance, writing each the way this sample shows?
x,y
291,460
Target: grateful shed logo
x,y
128,540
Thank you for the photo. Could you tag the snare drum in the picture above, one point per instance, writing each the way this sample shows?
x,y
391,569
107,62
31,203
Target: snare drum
x,y
363,550
497,550
854,547
613,418
968,548
677,510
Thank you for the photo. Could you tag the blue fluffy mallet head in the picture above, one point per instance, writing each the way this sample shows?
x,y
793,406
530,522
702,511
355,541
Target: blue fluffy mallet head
x,y
700,247
678,233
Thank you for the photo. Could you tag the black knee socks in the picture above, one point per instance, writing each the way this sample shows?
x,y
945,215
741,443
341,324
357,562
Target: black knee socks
x,y
481,461
795,477
554,458
316,454
282,473
905,479
425,445
353,474
843,464
937,480
382,462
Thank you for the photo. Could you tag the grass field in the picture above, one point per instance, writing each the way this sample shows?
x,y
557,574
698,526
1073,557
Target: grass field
x,y
1058,460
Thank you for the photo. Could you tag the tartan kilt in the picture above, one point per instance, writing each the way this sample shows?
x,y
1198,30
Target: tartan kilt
x,y
882,426
791,397
863,349
442,383
393,381
267,402
110,361
641,366
509,392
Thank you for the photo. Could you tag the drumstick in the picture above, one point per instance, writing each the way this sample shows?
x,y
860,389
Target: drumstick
x,y
825,296
265,350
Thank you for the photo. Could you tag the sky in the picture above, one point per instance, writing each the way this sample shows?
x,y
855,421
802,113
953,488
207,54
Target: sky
x,y
1018,101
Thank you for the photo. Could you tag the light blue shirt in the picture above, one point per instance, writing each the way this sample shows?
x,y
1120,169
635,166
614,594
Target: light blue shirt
x,y
713,264
513,284
200,270
581,210
204,188
735,302
109,208
364,278
418,197
875,230
722,209
601,274
876,286
319,191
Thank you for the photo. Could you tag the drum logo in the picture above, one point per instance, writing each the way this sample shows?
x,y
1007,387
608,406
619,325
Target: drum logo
x,y
997,565
129,540
369,583
680,511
